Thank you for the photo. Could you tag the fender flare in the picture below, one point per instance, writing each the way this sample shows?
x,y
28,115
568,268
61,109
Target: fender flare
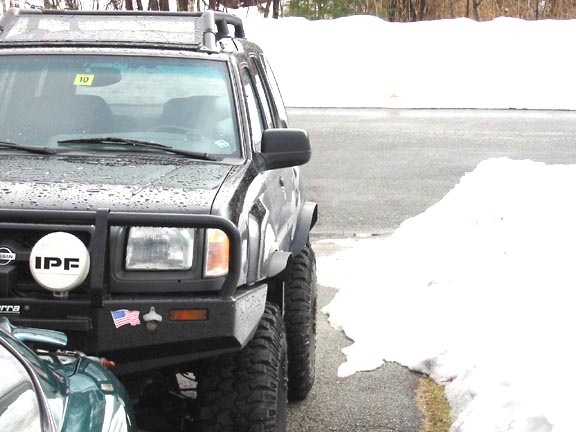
x,y
306,220
280,264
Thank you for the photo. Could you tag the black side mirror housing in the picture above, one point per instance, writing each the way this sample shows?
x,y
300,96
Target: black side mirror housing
x,y
282,148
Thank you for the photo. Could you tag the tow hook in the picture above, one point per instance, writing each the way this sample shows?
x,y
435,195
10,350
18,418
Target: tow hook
x,y
152,319
103,361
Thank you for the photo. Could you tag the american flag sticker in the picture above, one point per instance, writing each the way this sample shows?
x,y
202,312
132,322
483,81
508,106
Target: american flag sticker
x,y
124,316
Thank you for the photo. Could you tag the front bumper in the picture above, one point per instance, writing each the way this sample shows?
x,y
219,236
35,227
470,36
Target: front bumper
x,y
134,347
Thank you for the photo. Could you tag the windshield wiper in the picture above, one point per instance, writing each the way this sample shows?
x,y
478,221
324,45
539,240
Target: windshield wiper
x,y
30,149
137,143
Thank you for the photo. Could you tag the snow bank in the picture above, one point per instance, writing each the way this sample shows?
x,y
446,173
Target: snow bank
x,y
477,292
363,61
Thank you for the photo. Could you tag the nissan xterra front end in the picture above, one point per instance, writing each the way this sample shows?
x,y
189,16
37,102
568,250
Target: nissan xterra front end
x,y
151,204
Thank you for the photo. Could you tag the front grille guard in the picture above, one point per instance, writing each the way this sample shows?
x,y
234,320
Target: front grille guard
x,y
103,219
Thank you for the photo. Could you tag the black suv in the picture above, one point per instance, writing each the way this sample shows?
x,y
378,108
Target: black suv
x,y
151,207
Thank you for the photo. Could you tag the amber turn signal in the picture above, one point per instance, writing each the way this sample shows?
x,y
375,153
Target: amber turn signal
x,y
189,315
217,253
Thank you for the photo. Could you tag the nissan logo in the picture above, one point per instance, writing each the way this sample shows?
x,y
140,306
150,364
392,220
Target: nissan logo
x,y
6,256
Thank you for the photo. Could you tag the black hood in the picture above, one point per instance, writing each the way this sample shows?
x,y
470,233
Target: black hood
x,y
155,184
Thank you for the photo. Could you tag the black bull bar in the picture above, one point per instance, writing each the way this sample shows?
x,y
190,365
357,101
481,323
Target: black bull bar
x,y
103,219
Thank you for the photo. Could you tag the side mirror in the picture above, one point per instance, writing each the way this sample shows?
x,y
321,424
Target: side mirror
x,y
282,148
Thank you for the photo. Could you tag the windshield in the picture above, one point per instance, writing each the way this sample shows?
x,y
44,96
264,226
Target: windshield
x,y
183,103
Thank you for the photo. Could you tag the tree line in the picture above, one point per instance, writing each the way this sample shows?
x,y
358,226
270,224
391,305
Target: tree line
x,y
270,8
391,10
421,10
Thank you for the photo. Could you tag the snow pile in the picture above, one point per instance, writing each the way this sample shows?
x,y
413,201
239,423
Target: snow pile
x,y
477,292
363,61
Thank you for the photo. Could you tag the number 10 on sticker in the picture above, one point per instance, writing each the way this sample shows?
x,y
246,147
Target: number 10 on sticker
x,y
84,79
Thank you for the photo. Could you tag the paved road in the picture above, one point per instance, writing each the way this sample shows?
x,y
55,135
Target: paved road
x,y
371,170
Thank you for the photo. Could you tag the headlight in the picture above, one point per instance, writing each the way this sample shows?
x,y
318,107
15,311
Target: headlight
x,y
159,248
217,253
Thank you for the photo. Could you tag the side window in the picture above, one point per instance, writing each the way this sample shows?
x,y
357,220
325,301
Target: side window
x,y
278,104
262,94
254,112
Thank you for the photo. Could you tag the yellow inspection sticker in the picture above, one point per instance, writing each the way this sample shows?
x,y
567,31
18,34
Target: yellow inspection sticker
x,y
84,80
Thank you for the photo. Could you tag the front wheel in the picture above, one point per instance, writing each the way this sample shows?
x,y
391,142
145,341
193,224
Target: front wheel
x,y
300,318
247,391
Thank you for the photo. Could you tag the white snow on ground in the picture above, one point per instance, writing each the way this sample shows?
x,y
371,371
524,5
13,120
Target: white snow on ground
x,y
477,292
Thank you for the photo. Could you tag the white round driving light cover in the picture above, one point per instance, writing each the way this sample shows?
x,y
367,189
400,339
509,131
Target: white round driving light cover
x,y
59,262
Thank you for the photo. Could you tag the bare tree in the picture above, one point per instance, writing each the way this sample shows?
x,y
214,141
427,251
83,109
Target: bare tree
x,y
475,8
184,5
276,8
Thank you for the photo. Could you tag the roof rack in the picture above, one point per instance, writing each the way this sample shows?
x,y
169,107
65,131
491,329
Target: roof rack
x,y
210,26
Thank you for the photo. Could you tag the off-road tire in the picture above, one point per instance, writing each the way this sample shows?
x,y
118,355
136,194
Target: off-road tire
x,y
300,319
247,391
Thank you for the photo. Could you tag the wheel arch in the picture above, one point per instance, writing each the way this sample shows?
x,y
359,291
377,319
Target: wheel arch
x,y
306,220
